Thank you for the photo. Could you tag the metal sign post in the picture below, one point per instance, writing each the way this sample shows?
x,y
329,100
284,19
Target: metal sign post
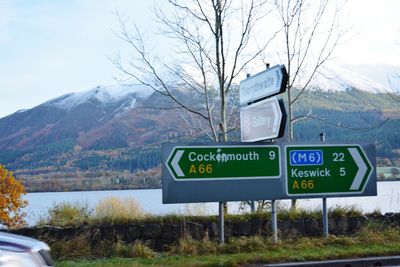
x,y
221,223
245,172
274,222
265,119
325,224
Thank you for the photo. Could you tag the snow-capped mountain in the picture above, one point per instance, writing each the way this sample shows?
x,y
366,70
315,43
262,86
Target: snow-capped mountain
x,y
111,116
121,127
87,117
387,75
103,95
368,78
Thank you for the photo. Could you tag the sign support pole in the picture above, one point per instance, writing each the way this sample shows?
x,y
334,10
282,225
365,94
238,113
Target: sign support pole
x,y
252,206
221,232
325,218
325,227
274,222
221,210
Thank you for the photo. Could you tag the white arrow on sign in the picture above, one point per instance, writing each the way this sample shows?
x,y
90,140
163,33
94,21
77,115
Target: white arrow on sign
x,y
362,168
261,121
175,164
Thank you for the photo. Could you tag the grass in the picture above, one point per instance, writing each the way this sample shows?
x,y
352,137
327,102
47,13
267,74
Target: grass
x,y
341,211
372,240
108,210
80,247
122,210
293,214
114,209
188,252
280,253
65,214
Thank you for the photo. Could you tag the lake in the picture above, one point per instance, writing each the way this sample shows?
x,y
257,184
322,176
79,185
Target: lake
x,y
388,200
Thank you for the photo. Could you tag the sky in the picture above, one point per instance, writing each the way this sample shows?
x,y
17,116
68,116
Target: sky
x,y
52,47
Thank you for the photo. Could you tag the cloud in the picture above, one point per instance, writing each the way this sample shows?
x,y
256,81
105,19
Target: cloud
x,y
7,15
50,48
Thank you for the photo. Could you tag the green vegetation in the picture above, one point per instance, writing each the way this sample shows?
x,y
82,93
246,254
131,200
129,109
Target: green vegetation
x,y
108,210
293,214
246,250
347,116
114,209
56,181
121,210
64,214
348,211
79,247
79,251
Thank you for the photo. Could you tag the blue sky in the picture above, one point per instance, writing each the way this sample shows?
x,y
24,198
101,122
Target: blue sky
x,y
52,47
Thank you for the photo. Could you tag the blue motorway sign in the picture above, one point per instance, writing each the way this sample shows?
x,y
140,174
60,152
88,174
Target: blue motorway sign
x,y
306,157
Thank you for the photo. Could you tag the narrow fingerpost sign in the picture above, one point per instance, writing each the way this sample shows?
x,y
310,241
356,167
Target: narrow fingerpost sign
x,y
326,169
263,120
267,83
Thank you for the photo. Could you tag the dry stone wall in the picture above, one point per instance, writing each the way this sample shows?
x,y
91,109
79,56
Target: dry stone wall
x,y
158,234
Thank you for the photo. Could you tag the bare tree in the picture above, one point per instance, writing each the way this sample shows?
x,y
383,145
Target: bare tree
x,y
311,31
212,43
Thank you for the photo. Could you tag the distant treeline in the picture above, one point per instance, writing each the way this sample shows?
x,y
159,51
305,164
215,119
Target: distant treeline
x,y
91,180
66,157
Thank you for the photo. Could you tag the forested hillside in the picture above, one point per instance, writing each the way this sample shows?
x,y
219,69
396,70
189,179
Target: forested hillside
x,y
123,151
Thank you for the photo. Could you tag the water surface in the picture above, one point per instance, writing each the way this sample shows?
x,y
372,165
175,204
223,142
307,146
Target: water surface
x,y
388,200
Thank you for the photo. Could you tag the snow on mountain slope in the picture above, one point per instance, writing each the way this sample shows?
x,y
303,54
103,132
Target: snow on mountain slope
x,y
103,94
336,78
385,74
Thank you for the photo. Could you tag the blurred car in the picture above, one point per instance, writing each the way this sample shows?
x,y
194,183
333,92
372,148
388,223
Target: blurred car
x,y
22,251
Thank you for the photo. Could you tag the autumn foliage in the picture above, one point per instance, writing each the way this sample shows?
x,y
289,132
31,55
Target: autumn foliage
x,y
11,202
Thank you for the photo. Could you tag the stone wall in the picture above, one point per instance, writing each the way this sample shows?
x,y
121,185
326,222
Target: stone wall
x,y
161,232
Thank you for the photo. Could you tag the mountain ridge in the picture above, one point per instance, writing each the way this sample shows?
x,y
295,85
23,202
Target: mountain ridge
x,y
108,134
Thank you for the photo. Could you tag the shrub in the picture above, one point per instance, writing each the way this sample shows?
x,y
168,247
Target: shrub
x,y
293,214
342,241
378,233
109,248
80,247
11,201
140,250
186,246
65,213
76,247
120,249
348,211
114,209
246,244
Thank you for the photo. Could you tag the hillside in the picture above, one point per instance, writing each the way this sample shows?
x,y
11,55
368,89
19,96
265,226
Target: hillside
x,y
109,138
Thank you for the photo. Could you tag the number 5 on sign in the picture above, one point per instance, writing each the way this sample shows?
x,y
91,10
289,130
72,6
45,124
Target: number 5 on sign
x,y
326,169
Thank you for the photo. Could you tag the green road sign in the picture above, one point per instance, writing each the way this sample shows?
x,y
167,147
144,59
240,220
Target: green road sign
x,y
326,169
224,162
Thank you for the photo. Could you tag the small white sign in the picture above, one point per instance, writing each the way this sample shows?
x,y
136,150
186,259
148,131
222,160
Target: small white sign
x,y
261,121
266,83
